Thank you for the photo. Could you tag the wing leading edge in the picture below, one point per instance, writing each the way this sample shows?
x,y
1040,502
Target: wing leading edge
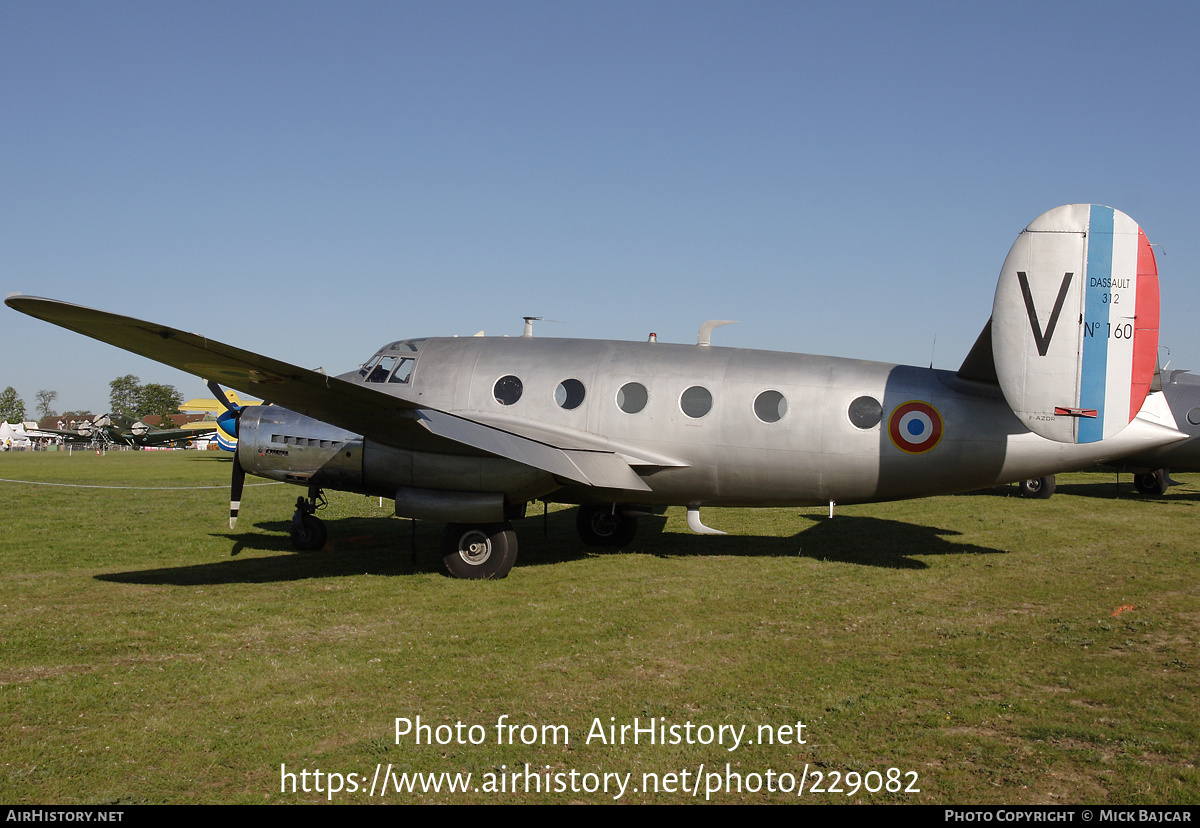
x,y
374,414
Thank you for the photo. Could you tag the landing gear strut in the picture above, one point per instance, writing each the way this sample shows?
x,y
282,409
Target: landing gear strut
x,y
308,531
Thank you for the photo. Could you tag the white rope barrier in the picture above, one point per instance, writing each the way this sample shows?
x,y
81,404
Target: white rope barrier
x,y
139,488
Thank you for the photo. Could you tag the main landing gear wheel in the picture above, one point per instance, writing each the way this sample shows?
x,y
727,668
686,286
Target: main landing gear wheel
x,y
1152,483
479,551
600,525
308,531
1039,487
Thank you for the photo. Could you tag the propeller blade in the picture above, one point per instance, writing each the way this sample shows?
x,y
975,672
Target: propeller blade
x,y
235,490
219,393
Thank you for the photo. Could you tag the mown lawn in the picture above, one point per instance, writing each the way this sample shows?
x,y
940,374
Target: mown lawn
x,y
997,650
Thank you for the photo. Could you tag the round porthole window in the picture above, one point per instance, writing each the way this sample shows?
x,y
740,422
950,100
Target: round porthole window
x,y
1193,416
770,406
507,390
865,412
632,397
696,402
569,394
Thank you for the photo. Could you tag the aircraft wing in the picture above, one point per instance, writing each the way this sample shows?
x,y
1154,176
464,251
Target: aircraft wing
x,y
157,437
54,434
374,414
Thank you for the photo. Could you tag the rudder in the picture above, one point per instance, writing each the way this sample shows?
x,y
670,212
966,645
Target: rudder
x,y
1075,323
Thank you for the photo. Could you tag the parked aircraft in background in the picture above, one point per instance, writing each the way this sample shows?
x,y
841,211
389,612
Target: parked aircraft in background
x,y
468,431
1152,468
118,430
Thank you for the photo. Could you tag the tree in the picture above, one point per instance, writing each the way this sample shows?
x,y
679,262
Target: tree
x,y
12,407
132,399
162,400
44,398
123,395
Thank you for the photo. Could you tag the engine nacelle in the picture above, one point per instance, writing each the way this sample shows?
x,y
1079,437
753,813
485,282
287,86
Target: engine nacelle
x,y
279,444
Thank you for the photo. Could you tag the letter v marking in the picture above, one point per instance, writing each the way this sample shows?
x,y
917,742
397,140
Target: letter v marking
x,y
1043,339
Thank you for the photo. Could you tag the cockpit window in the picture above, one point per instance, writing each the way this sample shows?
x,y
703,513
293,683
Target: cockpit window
x,y
378,369
403,371
393,362
368,366
403,345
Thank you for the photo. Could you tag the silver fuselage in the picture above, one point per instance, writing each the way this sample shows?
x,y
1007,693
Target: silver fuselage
x,y
730,456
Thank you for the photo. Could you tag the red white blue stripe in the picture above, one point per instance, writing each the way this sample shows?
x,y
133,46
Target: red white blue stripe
x,y
1120,323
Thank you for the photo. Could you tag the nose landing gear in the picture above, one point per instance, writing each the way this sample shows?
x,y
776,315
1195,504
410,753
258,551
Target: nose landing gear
x,y
308,531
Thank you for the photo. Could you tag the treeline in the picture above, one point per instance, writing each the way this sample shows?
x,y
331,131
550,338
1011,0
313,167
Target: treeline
x,y
127,396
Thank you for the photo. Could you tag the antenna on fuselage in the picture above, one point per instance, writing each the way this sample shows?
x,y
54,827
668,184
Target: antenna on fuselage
x,y
529,320
704,338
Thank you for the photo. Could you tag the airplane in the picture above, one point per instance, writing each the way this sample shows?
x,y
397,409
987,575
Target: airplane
x,y
1152,468
119,430
468,431
226,424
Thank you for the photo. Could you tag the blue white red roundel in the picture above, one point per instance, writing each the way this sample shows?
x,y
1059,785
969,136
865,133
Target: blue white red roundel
x,y
915,427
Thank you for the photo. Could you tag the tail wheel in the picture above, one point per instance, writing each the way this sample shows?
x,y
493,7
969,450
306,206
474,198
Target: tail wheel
x,y
600,525
1039,488
479,551
1152,483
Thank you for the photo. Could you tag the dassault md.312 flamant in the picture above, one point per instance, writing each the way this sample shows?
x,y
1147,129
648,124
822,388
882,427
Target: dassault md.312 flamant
x,y
468,431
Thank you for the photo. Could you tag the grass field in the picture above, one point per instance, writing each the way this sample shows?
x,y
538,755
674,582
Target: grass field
x,y
996,650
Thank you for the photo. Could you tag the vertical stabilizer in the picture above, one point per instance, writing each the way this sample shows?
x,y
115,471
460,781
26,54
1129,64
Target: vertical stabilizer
x,y
1075,323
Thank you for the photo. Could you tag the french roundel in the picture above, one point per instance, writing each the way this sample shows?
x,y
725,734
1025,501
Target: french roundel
x,y
915,427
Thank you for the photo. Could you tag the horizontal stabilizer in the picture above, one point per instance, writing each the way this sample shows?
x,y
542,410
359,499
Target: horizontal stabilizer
x,y
1075,323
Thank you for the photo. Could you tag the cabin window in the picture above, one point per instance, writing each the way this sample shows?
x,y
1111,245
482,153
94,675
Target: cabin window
x,y
865,412
403,371
507,390
1193,416
770,406
632,397
569,394
696,402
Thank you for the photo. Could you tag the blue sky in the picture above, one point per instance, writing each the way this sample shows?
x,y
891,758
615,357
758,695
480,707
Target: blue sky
x,y
311,180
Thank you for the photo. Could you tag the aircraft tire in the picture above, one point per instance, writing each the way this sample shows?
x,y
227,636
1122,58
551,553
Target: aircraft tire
x,y
1152,483
1039,488
599,526
308,533
477,552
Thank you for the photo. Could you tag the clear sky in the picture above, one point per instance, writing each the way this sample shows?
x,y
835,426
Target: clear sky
x,y
312,180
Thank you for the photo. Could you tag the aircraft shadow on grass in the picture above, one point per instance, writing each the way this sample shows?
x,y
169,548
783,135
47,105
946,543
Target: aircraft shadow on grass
x,y
368,546
1107,490
1125,491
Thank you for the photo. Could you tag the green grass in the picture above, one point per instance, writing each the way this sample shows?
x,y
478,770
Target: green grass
x,y
1007,651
